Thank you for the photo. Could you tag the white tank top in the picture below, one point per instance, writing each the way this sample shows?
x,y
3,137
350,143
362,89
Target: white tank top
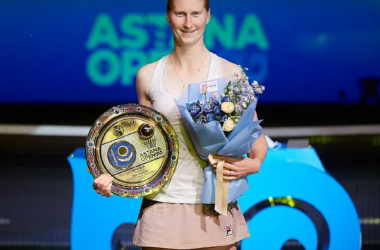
x,y
187,181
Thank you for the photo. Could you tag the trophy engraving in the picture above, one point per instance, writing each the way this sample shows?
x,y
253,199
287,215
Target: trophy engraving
x,y
136,145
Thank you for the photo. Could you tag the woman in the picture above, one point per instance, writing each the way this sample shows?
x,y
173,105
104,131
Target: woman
x,y
173,218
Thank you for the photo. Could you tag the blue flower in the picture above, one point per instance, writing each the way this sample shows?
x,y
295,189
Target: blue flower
x,y
206,108
217,111
214,101
194,109
223,118
202,119
226,99
210,117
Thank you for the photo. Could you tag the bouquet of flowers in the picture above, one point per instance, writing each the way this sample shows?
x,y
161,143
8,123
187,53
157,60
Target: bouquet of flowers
x,y
218,116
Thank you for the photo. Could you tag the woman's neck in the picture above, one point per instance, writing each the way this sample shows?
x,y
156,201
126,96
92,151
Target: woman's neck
x,y
187,58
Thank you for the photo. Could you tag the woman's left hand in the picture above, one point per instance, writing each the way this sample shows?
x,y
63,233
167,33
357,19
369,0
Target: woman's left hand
x,y
234,169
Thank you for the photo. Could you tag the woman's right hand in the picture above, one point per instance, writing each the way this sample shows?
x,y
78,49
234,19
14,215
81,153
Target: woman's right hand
x,y
102,185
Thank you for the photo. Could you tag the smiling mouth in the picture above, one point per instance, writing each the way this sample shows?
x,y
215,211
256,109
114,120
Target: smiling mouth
x,y
188,31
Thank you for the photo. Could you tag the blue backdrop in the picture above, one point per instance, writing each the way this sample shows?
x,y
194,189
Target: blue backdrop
x,y
80,51
291,198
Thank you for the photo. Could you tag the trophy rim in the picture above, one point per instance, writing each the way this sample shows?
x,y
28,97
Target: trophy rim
x,y
116,113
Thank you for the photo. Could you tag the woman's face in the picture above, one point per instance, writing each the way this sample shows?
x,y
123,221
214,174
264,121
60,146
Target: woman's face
x,y
188,19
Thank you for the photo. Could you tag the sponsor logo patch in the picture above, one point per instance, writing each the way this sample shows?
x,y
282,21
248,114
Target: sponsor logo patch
x,y
228,230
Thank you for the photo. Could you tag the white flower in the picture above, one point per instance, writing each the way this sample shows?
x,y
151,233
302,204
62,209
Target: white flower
x,y
227,107
255,84
244,104
228,125
260,89
239,109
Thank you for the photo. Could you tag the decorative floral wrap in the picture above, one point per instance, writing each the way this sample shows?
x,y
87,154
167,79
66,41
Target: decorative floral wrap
x,y
203,115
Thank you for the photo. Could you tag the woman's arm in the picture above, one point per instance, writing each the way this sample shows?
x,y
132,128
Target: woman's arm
x,y
238,168
258,151
143,79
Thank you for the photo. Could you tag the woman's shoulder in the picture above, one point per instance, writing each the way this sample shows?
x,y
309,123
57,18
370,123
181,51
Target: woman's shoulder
x,y
229,69
144,77
145,73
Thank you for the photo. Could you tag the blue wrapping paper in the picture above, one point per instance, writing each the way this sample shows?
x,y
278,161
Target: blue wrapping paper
x,y
210,139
